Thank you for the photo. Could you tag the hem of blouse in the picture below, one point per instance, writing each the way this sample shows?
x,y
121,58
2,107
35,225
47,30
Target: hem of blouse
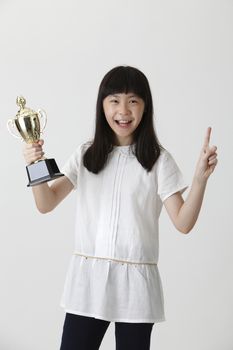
x,y
112,319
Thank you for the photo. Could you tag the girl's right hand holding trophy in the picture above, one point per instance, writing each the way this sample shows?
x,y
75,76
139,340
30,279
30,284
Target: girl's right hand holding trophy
x,y
33,151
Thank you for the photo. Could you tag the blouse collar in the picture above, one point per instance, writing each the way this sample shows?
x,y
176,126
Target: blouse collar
x,y
128,150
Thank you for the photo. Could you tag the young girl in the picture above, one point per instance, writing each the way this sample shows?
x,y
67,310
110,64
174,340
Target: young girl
x,y
122,178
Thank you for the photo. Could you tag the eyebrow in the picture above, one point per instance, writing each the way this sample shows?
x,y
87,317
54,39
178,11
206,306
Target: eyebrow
x,y
117,95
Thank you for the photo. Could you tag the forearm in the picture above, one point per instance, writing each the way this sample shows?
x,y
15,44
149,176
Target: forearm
x,y
190,209
44,196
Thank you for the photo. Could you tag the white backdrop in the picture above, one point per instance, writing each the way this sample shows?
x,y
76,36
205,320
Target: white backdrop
x,y
55,53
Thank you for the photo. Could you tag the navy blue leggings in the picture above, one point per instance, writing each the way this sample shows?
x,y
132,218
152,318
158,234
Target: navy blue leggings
x,y
86,333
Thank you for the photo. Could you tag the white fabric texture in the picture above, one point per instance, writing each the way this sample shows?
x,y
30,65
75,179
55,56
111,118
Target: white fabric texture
x,y
117,219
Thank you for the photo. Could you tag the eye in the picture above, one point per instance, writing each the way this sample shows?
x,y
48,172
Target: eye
x,y
133,101
113,100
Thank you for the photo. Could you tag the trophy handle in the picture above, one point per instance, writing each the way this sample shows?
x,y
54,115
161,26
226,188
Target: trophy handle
x,y
43,117
11,126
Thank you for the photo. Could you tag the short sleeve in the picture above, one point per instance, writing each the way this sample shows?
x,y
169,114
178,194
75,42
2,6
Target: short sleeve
x,y
71,167
170,178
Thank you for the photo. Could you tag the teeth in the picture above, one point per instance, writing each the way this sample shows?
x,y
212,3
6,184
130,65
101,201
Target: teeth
x,y
123,121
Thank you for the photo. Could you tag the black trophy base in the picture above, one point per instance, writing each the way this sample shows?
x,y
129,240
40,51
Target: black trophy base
x,y
43,171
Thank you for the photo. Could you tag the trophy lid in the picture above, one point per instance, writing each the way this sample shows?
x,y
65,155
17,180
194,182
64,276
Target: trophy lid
x,y
23,111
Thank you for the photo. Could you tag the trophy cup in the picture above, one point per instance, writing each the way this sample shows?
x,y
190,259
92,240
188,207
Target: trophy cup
x,y
28,126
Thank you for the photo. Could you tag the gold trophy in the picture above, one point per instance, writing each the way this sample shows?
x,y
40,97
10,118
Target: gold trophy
x,y
28,126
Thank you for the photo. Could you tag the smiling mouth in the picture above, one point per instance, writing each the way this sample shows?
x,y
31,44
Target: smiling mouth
x,y
123,123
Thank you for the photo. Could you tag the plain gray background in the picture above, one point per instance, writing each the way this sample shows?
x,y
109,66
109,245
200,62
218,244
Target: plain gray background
x,y
55,53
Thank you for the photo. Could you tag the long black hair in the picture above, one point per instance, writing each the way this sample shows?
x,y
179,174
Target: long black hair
x,y
123,79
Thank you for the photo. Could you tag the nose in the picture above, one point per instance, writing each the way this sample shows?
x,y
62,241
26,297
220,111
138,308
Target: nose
x,y
123,108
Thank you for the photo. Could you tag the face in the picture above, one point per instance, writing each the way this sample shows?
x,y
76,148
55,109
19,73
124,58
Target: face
x,y
123,113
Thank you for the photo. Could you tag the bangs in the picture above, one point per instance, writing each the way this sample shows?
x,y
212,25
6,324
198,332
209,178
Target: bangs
x,y
125,80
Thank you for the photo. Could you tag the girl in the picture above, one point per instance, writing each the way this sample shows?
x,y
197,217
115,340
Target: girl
x,y
123,177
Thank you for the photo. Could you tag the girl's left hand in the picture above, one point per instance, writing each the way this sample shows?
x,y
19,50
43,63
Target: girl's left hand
x,y
207,160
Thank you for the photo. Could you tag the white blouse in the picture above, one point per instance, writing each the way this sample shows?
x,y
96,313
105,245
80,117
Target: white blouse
x,y
113,273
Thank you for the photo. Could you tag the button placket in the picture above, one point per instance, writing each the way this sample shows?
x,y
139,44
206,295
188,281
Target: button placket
x,y
115,226
115,202
113,206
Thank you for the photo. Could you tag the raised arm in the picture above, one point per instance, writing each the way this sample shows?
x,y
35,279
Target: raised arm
x,y
184,214
47,196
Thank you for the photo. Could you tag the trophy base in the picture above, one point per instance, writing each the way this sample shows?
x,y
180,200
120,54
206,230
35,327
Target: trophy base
x,y
42,171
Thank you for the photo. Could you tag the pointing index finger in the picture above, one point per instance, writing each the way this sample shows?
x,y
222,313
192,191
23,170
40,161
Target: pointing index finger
x,y
207,137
